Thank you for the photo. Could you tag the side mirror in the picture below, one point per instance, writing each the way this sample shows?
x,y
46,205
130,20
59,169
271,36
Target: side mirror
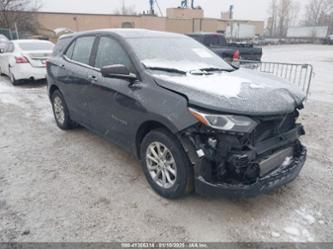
x,y
2,50
118,71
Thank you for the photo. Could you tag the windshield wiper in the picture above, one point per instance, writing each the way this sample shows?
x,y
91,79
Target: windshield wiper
x,y
214,69
208,70
201,71
165,69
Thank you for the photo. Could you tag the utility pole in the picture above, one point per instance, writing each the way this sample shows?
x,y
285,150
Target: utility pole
x,y
231,16
123,7
151,2
76,23
231,12
16,31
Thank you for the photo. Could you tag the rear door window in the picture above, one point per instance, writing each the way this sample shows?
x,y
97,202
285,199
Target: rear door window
x,y
82,49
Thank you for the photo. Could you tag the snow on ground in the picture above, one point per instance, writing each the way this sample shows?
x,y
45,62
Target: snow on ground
x,y
74,186
320,57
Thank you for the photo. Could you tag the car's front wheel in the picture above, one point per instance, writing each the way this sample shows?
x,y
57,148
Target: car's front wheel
x,y
60,111
166,165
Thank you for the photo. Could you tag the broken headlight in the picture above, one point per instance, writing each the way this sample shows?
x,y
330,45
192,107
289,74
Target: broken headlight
x,y
233,123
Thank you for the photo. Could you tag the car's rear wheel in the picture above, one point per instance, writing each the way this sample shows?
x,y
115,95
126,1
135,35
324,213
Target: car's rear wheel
x,y
166,165
60,111
12,77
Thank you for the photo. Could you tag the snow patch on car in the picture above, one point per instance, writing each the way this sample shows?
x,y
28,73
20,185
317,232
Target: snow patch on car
x,y
230,87
241,91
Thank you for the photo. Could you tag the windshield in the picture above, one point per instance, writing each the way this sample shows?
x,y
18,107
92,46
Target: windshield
x,y
34,46
178,53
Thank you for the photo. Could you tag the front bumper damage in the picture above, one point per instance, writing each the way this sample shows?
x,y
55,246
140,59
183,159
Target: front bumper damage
x,y
240,165
280,177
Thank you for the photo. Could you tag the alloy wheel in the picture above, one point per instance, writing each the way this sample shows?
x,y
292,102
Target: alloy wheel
x,y
161,165
59,109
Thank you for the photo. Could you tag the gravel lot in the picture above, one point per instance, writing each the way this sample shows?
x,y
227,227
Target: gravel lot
x,y
74,186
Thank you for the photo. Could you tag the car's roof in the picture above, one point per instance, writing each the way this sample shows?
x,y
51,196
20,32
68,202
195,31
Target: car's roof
x,y
130,33
205,33
30,41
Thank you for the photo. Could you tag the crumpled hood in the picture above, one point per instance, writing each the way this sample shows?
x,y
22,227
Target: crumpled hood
x,y
242,91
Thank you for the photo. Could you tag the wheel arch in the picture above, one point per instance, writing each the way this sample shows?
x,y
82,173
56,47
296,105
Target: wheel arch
x,y
52,89
144,129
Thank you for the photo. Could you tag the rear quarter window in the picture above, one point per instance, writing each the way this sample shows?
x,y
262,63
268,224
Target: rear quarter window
x,y
61,45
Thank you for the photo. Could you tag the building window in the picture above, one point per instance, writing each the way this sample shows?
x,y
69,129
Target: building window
x,y
128,25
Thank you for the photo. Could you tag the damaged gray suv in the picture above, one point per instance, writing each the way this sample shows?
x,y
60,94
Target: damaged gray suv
x,y
194,122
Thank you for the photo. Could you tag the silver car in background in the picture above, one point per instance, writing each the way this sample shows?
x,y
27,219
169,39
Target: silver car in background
x,y
25,59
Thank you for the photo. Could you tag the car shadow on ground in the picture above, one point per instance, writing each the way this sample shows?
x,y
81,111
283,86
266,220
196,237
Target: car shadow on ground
x,y
129,161
266,202
25,84
32,84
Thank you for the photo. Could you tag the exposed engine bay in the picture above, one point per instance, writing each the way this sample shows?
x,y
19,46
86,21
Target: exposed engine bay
x,y
243,158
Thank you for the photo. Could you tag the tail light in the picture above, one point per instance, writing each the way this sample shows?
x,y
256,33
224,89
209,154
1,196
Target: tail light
x,y
236,55
21,59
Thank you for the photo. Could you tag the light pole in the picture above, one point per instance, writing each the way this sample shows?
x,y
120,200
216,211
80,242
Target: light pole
x,y
76,23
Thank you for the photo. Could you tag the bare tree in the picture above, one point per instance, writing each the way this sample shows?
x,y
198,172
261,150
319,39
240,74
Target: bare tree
x,y
273,11
125,9
283,15
319,12
287,14
18,12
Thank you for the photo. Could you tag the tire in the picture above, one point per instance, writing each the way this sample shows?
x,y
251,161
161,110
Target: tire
x,y
60,111
171,180
12,78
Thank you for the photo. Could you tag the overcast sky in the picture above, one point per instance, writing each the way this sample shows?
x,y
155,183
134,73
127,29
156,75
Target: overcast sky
x,y
244,9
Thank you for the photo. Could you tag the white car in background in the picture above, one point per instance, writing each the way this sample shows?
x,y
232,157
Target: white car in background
x,y
25,59
3,42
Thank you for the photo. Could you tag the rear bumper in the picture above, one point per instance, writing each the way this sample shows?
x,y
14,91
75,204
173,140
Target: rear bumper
x,y
26,71
279,177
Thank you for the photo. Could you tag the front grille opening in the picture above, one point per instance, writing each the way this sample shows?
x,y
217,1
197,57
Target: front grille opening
x,y
271,127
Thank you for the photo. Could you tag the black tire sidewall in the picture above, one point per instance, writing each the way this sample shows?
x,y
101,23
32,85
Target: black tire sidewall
x,y
184,172
67,122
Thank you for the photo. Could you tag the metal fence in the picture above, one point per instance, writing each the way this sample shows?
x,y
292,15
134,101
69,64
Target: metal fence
x,y
298,74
